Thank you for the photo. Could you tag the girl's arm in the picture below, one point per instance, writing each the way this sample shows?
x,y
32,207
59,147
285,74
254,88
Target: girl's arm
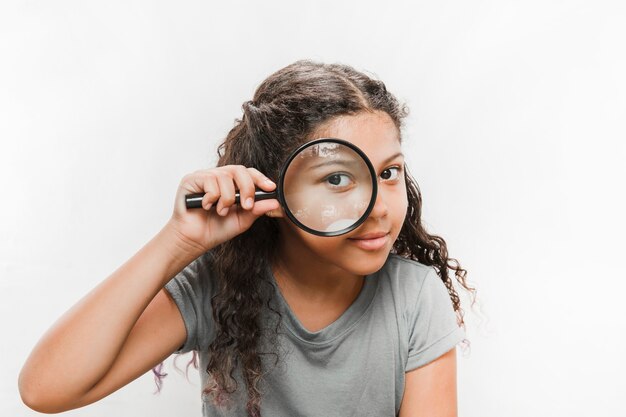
x,y
430,391
113,335
128,324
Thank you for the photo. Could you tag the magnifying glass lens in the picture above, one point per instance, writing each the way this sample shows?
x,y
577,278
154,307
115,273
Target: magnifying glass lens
x,y
328,187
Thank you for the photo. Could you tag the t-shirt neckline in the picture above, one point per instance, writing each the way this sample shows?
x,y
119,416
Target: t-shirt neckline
x,y
345,322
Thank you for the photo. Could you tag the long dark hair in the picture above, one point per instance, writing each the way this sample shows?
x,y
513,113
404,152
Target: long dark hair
x,y
285,111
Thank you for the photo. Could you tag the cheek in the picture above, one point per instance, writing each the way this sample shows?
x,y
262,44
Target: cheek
x,y
399,210
400,201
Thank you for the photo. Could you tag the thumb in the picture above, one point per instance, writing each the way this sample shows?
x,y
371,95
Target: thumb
x,y
264,206
247,217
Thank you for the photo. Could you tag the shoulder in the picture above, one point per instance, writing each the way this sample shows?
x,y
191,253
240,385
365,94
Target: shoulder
x,y
407,275
202,266
416,288
395,261
192,289
195,280
401,281
203,262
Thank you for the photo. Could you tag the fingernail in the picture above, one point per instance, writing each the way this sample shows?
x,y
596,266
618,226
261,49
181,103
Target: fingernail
x,y
224,211
267,180
249,203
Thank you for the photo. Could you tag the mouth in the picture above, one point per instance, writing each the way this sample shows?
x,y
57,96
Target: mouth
x,y
370,241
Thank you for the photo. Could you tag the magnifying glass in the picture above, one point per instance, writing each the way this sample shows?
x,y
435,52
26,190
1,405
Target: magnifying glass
x,y
326,187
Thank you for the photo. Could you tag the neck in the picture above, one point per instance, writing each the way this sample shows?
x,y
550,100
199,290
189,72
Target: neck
x,y
302,274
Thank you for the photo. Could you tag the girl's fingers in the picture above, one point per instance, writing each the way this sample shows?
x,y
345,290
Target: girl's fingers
x,y
200,181
227,194
211,190
244,182
261,180
220,185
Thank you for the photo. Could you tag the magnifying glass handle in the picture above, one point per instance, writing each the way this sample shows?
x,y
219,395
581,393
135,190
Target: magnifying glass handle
x,y
195,200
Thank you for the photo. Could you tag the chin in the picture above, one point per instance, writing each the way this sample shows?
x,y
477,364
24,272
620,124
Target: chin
x,y
367,264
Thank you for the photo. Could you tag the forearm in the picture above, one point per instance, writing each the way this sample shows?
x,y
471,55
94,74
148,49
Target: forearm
x,y
81,346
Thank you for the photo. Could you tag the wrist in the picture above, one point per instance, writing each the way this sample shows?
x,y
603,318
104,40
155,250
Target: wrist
x,y
177,245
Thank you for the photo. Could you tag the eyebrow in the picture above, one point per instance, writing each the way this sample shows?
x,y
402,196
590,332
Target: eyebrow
x,y
392,157
349,162
345,162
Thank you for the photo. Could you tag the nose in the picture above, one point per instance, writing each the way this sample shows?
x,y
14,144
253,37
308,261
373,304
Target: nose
x,y
380,208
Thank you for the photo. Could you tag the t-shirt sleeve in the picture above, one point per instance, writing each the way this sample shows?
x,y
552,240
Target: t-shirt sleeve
x,y
433,329
192,289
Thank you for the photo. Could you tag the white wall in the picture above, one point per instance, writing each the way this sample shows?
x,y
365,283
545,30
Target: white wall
x,y
516,137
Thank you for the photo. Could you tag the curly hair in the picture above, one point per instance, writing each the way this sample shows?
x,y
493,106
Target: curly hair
x,y
285,112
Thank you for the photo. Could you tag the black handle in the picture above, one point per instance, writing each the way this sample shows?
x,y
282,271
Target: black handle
x,y
195,200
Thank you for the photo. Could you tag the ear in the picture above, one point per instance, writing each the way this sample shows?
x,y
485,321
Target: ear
x,y
276,213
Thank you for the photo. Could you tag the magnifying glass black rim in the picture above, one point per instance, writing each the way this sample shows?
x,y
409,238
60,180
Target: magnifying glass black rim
x,y
281,187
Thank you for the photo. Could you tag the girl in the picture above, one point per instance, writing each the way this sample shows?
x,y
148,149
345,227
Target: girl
x,y
283,322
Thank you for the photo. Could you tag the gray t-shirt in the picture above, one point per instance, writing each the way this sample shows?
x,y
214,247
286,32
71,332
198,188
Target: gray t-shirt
x,y
402,319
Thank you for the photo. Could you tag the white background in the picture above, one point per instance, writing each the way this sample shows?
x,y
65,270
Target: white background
x,y
516,138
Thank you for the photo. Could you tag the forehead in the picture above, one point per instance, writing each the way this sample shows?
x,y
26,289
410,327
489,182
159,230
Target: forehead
x,y
373,132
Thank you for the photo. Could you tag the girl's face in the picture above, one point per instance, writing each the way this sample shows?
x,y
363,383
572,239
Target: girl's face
x,y
365,249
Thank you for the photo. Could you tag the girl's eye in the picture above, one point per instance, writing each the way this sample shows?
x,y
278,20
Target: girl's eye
x,y
391,173
338,180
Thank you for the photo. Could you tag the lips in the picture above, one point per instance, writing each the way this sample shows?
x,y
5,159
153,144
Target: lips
x,y
371,235
370,241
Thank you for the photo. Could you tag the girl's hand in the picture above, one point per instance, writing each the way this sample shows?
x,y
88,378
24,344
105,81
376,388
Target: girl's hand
x,y
220,219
